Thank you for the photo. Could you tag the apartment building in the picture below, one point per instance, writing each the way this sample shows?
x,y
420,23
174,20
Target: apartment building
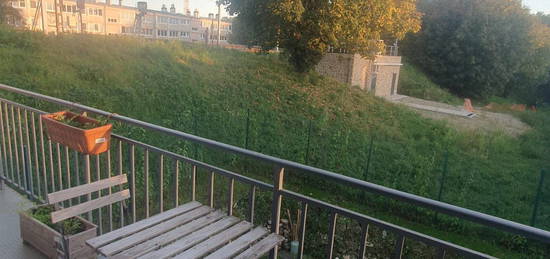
x,y
115,19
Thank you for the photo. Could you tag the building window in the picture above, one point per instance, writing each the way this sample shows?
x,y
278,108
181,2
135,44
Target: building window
x,y
49,7
163,19
33,4
174,34
185,34
112,20
162,33
18,4
195,29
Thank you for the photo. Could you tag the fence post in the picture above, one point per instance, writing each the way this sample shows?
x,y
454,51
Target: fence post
x,y
306,159
537,198
369,156
443,174
247,128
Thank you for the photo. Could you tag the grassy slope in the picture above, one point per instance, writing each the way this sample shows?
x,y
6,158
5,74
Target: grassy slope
x,y
207,91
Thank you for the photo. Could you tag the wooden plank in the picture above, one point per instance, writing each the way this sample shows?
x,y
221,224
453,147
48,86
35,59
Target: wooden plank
x,y
89,206
239,244
140,225
216,241
261,247
170,236
86,188
192,239
153,231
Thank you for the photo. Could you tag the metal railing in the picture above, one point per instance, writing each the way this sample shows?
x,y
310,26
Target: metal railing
x,y
35,165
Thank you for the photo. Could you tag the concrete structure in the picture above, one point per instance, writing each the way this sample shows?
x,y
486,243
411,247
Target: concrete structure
x,y
109,19
379,76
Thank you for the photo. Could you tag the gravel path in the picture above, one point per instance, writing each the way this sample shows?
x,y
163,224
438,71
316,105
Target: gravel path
x,y
483,121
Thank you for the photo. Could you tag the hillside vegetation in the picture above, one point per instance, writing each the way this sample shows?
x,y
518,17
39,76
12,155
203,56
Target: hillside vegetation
x,y
209,91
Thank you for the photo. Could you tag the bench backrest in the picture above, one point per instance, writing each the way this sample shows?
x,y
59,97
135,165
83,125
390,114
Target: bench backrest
x,y
86,189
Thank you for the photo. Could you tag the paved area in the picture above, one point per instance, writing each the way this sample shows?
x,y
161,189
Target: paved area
x,y
456,116
11,245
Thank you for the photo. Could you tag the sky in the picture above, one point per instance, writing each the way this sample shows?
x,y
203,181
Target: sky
x,y
538,5
209,6
205,6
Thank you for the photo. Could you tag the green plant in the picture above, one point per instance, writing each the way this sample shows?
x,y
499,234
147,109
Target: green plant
x,y
69,226
73,121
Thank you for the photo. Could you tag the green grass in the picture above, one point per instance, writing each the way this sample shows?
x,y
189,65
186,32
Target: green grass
x,y
208,92
413,82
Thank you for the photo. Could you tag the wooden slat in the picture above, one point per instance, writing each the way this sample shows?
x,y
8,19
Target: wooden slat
x,y
169,236
192,239
140,225
86,188
89,206
239,244
153,231
261,247
216,241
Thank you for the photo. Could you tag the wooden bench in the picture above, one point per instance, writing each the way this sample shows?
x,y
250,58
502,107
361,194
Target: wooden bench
x,y
191,230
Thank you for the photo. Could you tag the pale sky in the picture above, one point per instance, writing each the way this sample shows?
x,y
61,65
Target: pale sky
x,y
209,6
538,5
205,6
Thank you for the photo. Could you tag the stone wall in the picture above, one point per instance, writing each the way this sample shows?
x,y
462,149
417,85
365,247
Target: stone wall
x,y
337,66
358,71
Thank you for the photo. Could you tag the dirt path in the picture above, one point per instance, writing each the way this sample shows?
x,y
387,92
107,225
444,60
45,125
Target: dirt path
x,y
483,121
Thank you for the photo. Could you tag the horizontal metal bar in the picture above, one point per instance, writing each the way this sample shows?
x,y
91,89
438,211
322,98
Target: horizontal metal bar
x,y
384,225
438,206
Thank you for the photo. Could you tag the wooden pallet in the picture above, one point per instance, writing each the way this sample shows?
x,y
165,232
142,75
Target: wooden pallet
x,y
189,231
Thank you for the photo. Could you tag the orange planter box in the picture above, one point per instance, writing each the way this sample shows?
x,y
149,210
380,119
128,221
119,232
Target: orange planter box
x,y
88,141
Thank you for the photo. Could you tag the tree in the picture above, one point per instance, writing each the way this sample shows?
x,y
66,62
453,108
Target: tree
x,y
306,29
8,14
544,18
474,47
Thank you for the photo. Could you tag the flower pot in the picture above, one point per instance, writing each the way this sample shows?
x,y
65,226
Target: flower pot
x,y
47,240
88,141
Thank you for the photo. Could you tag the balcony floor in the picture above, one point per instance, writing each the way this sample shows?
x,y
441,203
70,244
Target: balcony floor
x,y
11,244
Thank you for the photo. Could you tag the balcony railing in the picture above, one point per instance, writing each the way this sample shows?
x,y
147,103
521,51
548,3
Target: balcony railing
x,y
34,165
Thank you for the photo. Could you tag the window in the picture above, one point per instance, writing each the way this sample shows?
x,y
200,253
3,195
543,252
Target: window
x,y
195,29
163,19
162,33
33,4
127,29
49,7
185,34
174,34
148,31
18,4
184,22
112,20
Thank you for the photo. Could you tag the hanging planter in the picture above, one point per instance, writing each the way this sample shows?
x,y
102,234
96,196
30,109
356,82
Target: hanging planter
x,y
78,132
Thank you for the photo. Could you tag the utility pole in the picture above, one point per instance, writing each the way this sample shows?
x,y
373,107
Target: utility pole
x,y
56,17
219,20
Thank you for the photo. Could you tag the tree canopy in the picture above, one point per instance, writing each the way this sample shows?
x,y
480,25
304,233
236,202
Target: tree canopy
x,y
305,29
8,14
481,48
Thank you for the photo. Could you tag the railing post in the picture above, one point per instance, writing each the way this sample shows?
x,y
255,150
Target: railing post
x,y
278,180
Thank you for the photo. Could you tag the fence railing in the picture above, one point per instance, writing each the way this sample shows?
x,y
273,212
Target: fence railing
x,y
35,165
